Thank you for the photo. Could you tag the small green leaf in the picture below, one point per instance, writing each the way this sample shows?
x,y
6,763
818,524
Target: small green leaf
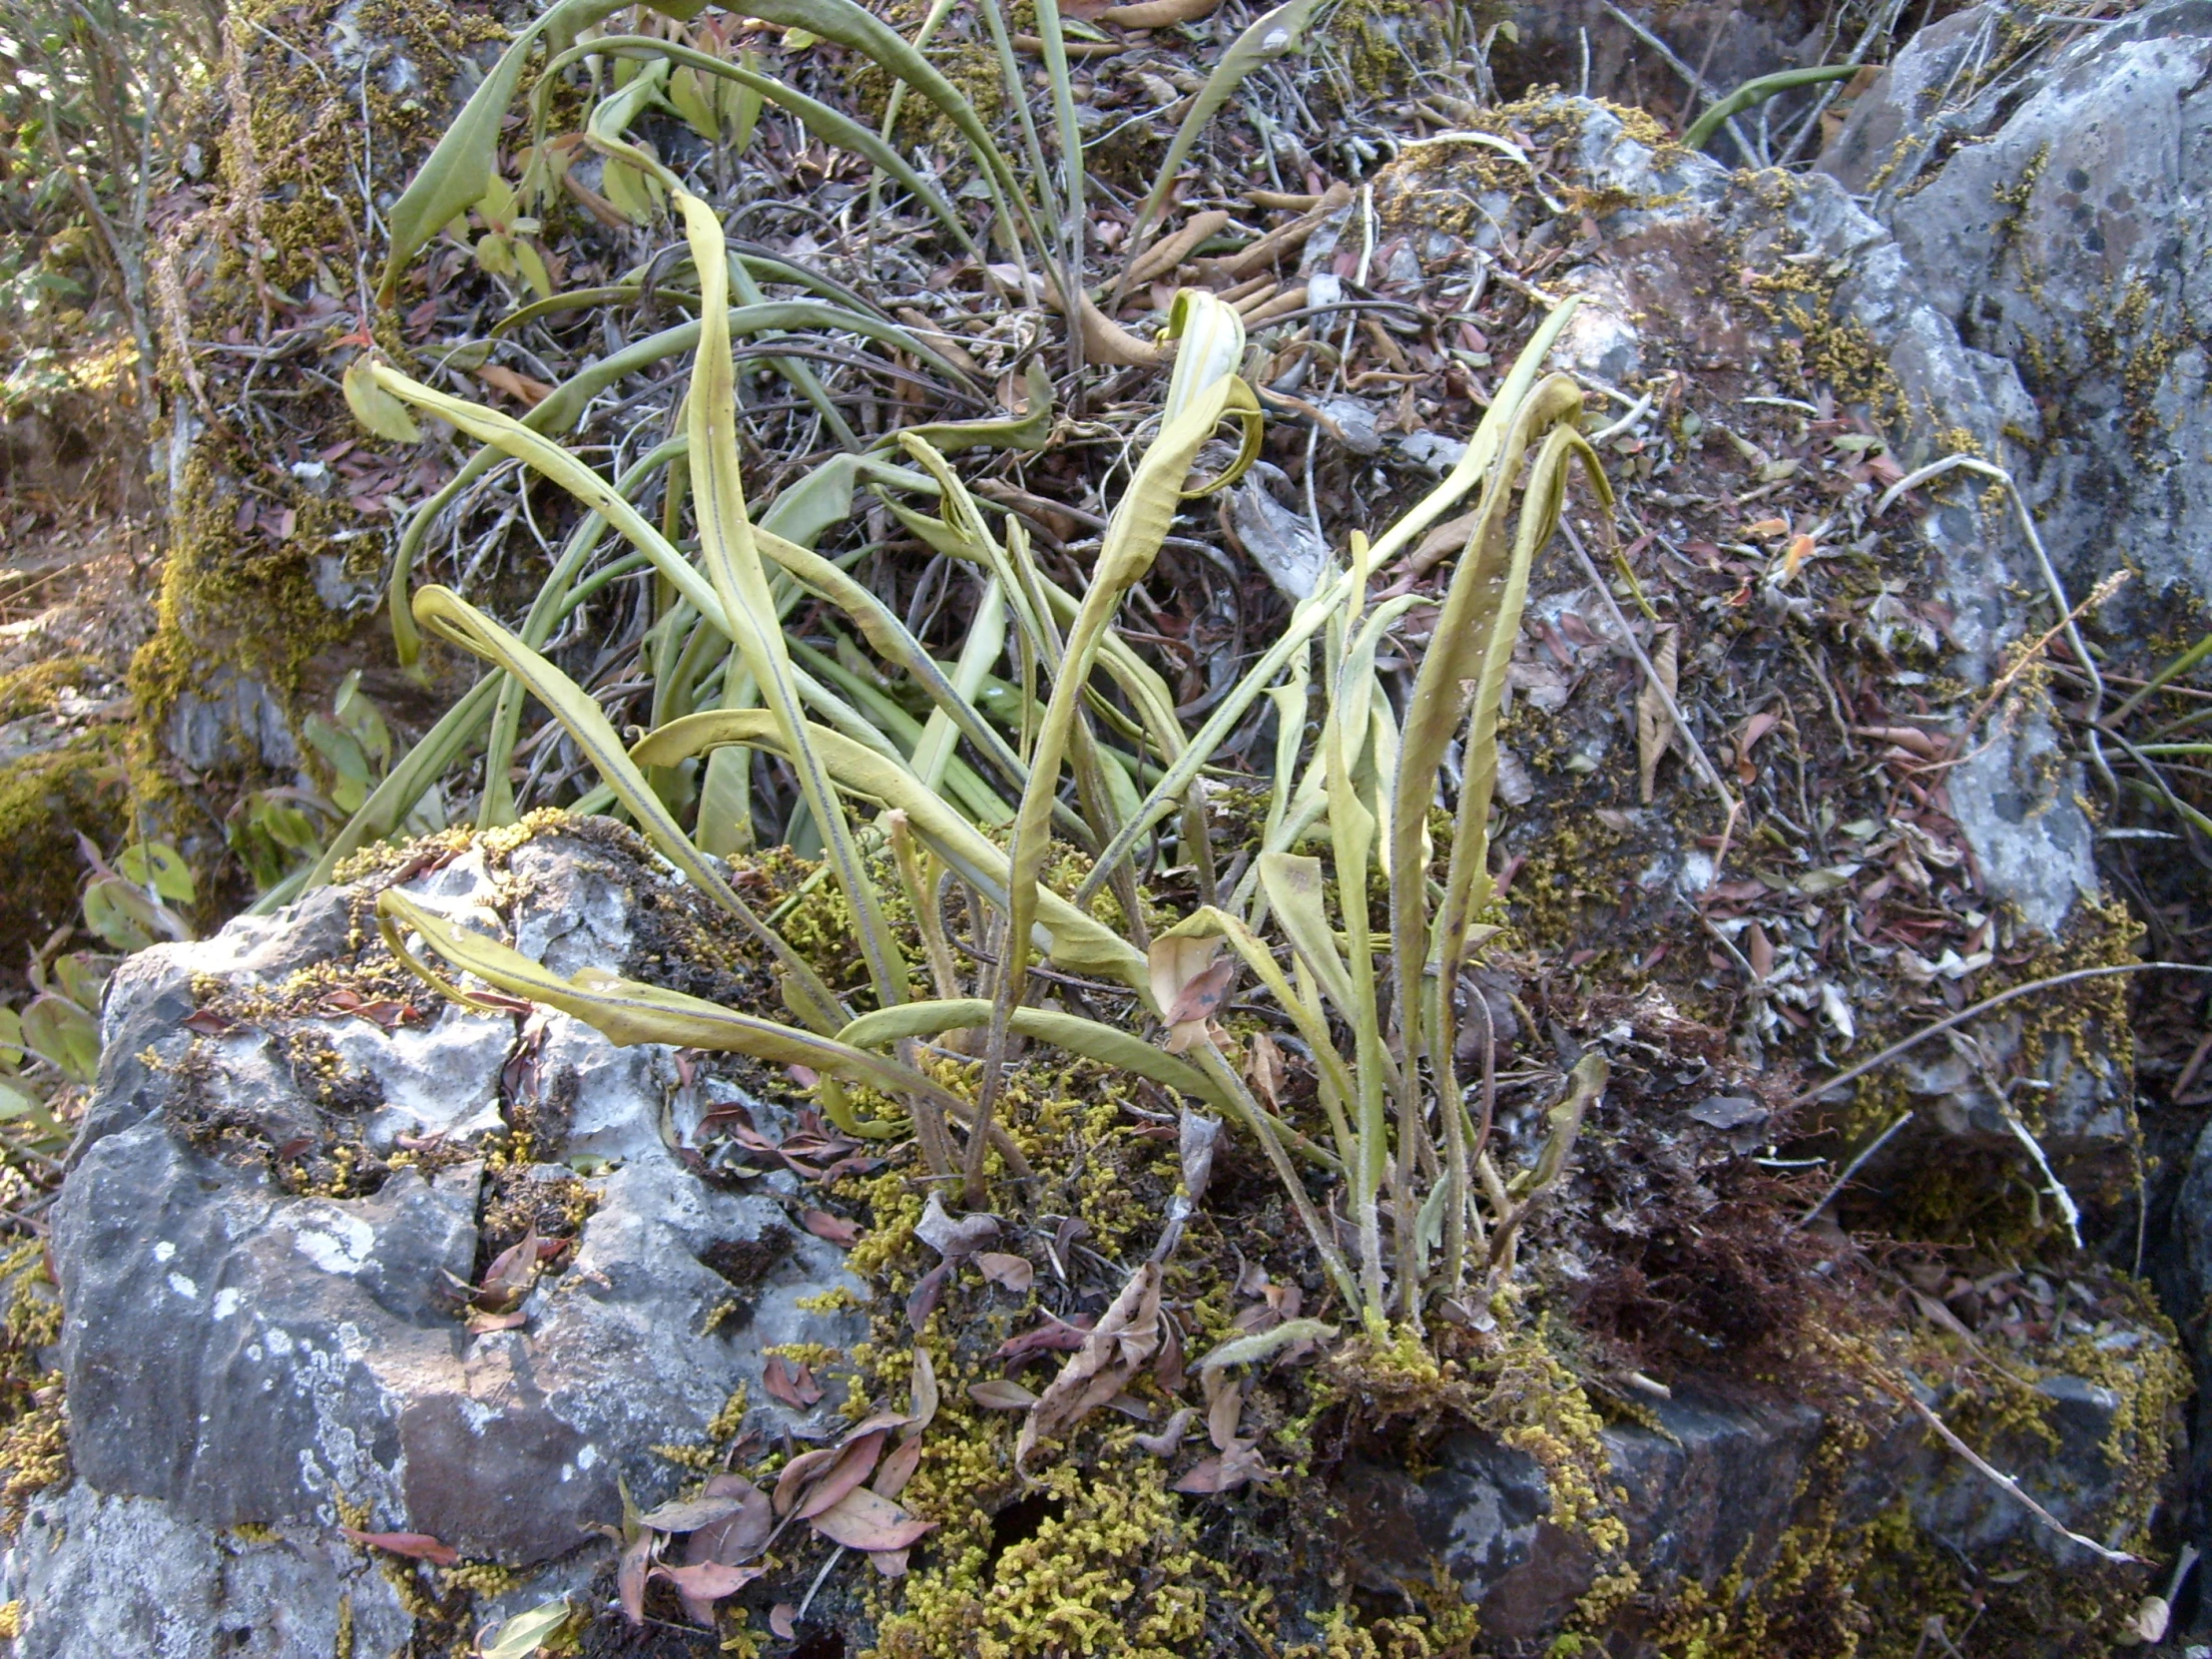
x,y
525,1633
83,977
11,1040
533,265
376,408
159,866
17,1101
120,914
62,1034
495,255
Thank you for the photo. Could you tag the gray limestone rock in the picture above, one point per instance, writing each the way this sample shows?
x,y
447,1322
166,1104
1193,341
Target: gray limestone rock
x,y
100,1578
1708,1488
239,1354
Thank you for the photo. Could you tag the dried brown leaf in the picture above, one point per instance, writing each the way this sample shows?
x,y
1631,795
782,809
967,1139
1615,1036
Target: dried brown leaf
x,y
795,1389
1654,725
630,1576
1169,1438
1158,14
998,1393
740,1535
852,1468
1012,1272
798,1472
1197,1134
840,1232
921,1390
1240,1463
954,1240
701,1584
896,1470
1125,1336
688,1515
869,1521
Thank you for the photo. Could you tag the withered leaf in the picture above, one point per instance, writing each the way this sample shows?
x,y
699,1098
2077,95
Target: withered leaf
x,y
1198,1133
1242,1463
954,1240
521,387
739,1536
1654,725
853,1466
700,1584
1263,1069
1055,1336
1013,1273
1203,993
1169,1438
823,1225
896,1470
925,1295
795,1389
420,1547
688,1515
929,1291
798,1472
1001,1393
1122,1341
783,1618
1224,1409
892,1563
630,1576
869,1521
511,1274
922,1389
1158,14
481,1324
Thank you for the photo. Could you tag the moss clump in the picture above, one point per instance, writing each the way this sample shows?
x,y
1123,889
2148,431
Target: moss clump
x,y
34,1440
46,801
35,689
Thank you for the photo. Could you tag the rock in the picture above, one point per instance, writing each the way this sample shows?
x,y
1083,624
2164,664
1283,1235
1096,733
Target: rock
x,y
240,1353
99,1577
2065,235
1712,1490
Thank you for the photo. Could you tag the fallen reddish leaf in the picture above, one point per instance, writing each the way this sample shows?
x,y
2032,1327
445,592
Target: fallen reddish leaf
x,y
740,1535
866,1521
823,1225
892,1563
630,1576
1240,1463
852,1468
1055,1336
929,1291
798,1472
998,1393
419,1547
1202,994
797,1390
703,1583
896,1470
783,1618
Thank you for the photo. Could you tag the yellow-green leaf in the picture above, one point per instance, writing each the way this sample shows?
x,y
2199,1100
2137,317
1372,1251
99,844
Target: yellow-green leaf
x,y
376,408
